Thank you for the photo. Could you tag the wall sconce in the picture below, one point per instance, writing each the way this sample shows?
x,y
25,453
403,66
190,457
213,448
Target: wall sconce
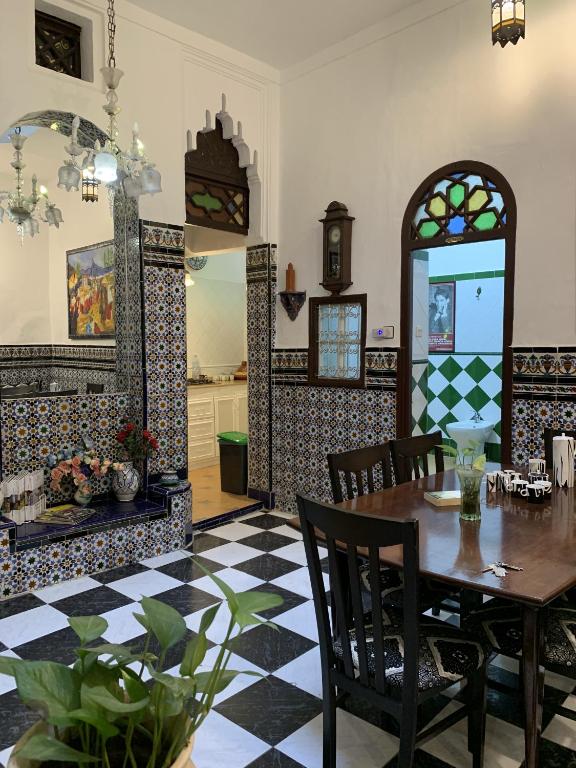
x,y
291,299
508,21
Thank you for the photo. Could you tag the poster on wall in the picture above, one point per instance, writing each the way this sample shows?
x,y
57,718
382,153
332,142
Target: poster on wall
x,y
91,292
441,316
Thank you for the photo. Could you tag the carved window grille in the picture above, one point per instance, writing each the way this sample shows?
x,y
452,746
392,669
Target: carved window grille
x,y
217,194
337,340
58,45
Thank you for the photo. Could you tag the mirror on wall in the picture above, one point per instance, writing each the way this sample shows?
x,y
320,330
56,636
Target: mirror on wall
x,y
58,308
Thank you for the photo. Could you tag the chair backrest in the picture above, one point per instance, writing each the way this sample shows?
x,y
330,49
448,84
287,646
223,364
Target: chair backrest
x,y
94,389
363,470
549,435
359,539
410,456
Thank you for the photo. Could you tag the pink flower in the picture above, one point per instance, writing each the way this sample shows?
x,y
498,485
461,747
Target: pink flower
x,y
76,461
55,485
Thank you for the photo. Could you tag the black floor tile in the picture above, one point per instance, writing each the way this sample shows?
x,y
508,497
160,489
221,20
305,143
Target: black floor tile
x,y
266,521
205,541
187,599
271,648
15,718
267,541
187,569
291,600
57,646
19,604
274,759
92,602
422,760
119,573
271,709
174,654
552,755
267,567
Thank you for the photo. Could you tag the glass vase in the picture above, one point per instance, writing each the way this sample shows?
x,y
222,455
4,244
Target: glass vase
x,y
470,483
82,498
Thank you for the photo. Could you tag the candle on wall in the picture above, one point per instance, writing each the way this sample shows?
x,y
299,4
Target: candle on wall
x,y
290,278
563,456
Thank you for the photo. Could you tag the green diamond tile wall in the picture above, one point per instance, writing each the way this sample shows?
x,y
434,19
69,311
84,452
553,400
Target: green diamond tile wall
x,y
459,385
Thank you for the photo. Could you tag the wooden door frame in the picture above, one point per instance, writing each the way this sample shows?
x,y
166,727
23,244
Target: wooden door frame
x,y
506,233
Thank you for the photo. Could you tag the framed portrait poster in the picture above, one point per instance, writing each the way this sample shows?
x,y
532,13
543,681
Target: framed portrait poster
x,y
441,316
91,292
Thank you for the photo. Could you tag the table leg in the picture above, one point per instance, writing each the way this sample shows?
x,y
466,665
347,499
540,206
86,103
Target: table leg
x,y
533,677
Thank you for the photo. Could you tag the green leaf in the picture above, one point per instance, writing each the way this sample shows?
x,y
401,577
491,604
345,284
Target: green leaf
x,y
101,697
228,593
194,654
163,621
48,687
204,680
88,628
135,688
8,665
449,450
250,603
208,617
101,674
97,721
45,748
480,463
122,653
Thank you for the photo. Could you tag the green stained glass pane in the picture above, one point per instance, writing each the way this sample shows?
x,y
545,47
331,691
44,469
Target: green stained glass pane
x,y
437,206
428,229
457,195
477,200
206,201
485,221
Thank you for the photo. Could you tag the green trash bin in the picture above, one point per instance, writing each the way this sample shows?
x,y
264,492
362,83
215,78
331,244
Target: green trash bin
x,y
233,462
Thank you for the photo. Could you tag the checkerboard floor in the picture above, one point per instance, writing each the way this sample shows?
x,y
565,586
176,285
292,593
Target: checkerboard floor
x,y
261,723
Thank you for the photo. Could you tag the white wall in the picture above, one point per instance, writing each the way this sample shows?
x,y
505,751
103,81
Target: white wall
x,y
369,124
172,77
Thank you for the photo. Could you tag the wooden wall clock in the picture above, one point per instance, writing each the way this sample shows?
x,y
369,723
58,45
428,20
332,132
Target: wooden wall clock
x,y
337,266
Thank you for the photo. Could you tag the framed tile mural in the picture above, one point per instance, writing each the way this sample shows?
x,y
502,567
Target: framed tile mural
x,y
441,316
91,291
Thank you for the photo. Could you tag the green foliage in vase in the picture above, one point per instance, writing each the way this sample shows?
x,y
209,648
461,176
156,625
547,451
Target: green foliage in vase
x,y
467,457
103,712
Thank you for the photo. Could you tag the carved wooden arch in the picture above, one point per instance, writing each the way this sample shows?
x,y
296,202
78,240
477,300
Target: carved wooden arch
x,y
505,230
217,190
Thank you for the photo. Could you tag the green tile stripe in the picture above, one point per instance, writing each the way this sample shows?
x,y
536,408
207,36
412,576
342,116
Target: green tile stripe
x,y
467,276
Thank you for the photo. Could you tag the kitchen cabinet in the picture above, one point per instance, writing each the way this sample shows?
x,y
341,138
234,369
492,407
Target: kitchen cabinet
x,y
213,409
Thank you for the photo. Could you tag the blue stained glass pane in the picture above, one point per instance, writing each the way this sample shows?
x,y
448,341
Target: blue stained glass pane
x,y
456,225
497,201
420,213
491,185
474,181
458,175
504,217
442,186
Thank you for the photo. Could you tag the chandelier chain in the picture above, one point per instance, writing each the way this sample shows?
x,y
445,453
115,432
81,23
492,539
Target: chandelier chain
x,y
111,33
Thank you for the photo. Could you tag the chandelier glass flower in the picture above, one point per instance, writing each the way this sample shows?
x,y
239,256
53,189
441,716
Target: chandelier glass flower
x,y
25,210
107,163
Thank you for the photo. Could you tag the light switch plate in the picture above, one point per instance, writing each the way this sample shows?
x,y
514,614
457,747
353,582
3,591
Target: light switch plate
x,y
384,332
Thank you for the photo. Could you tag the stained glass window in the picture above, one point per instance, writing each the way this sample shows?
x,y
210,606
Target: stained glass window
x,y
58,45
459,204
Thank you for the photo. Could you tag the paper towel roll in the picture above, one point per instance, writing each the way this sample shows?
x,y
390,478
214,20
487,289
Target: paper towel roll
x,y
563,456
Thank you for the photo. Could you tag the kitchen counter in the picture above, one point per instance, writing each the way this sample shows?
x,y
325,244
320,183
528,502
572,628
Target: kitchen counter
x,y
217,385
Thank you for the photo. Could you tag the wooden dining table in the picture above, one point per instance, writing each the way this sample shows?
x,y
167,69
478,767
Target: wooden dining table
x,y
540,538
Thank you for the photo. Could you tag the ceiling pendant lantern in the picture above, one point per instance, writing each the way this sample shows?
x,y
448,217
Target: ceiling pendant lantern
x,y
89,186
109,165
508,21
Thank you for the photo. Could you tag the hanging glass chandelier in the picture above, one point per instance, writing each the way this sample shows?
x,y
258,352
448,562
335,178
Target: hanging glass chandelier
x,y
508,21
21,208
130,170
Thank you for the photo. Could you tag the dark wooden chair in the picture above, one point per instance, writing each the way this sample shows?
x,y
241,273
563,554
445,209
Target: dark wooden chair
x,y
363,470
410,456
549,435
394,658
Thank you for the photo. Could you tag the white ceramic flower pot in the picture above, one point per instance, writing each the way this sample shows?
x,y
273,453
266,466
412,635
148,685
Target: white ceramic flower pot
x,y
125,482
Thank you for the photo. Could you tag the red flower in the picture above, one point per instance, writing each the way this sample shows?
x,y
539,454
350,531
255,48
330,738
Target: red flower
x,y
146,435
130,427
154,443
121,436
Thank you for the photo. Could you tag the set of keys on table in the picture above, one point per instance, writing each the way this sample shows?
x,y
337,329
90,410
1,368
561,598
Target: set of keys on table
x,y
501,569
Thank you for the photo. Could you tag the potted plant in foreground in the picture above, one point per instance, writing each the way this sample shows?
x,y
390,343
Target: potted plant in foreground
x,y
118,707
470,469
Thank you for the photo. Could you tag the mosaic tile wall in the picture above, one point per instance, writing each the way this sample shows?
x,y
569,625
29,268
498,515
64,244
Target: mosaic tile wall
x,y
261,313
165,344
544,396
310,422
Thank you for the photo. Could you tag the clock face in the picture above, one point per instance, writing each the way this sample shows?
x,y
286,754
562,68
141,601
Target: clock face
x,y
334,235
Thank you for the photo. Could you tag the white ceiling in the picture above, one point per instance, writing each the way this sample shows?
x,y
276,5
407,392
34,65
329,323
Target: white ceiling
x,y
278,32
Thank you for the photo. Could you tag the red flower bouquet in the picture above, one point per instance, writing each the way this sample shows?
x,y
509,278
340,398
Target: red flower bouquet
x,y
137,443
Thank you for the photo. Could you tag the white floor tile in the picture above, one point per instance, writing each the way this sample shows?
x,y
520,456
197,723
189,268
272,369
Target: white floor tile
x,y
287,530
122,626
299,581
233,531
232,554
305,672
146,584
562,730
358,744
165,559
66,589
219,742
301,620
236,580
5,755
295,553
30,625
7,683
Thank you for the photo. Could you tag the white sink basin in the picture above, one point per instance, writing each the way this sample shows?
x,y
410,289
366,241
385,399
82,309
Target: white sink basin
x,y
466,432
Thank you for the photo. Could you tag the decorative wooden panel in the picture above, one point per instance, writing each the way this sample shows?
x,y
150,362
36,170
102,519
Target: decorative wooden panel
x,y
58,45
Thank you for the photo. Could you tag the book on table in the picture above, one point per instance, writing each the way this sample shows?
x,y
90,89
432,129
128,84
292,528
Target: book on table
x,y
443,498
65,514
